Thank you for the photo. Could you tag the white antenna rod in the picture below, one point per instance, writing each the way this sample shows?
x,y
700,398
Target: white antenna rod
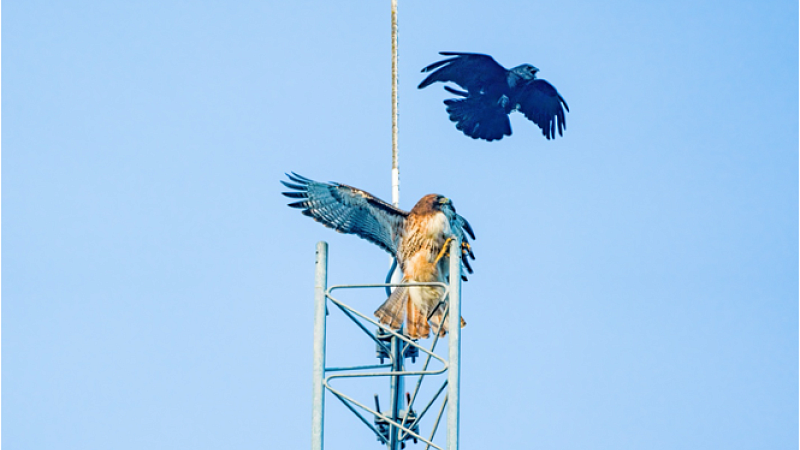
x,y
395,164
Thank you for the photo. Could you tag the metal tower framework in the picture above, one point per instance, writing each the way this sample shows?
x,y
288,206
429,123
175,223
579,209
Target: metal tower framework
x,y
395,426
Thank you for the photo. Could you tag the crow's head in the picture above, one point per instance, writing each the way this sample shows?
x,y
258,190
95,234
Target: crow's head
x,y
525,71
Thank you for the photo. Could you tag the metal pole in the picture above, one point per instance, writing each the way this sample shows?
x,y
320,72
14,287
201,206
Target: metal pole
x,y
396,386
454,346
318,390
395,163
396,391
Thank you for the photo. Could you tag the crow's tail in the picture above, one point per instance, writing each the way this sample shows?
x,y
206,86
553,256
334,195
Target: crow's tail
x,y
477,119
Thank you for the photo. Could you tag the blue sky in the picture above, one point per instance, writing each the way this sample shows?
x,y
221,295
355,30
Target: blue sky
x,y
636,281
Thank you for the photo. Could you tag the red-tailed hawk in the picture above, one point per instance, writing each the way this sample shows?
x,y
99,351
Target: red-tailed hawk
x,y
418,239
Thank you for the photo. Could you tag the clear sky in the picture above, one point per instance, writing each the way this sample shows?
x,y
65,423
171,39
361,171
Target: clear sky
x,y
636,281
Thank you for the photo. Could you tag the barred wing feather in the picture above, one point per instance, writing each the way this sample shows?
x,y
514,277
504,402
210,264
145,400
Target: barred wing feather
x,y
348,210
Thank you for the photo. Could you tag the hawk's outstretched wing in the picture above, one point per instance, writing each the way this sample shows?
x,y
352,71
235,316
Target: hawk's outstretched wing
x,y
542,104
348,210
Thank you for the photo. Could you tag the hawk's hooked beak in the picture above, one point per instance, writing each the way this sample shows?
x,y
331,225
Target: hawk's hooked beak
x,y
444,200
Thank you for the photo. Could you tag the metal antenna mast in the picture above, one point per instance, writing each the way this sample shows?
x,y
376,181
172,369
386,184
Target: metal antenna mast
x,y
395,163
397,386
394,427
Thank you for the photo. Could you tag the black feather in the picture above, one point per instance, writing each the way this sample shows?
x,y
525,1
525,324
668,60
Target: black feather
x,y
456,91
492,92
468,228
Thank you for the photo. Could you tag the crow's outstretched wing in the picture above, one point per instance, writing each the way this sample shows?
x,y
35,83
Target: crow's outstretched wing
x,y
472,71
542,104
348,210
479,118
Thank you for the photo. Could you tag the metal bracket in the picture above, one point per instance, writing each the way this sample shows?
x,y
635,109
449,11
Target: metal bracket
x,y
382,351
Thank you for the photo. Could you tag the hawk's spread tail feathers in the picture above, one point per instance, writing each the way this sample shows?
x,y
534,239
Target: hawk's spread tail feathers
x,y
416,323
436,319
393,311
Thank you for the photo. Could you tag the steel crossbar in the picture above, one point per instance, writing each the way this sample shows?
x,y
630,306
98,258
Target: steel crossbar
x,y
401,425
350,312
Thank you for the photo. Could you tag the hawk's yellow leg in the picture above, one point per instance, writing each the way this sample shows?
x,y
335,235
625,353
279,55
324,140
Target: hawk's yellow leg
x,y
444,251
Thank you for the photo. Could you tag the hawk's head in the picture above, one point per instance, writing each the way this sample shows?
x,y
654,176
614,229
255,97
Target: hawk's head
x,y
433,203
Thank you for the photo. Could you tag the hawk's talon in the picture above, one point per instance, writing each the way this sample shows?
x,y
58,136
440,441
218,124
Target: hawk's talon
x,y
444,251
466,250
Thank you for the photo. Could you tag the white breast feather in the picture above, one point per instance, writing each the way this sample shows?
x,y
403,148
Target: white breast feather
x,y
438,226
437,230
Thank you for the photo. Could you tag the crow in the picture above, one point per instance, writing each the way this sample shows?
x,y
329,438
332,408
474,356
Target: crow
x,y
493,92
